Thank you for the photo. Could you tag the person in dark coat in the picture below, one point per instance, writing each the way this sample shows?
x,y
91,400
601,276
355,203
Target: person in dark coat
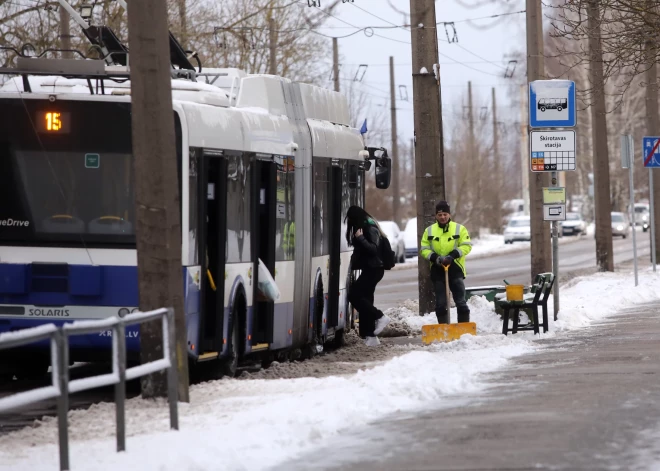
x,y
364,233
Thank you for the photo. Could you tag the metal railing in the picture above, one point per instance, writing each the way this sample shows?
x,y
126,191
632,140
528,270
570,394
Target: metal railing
x,y
61,386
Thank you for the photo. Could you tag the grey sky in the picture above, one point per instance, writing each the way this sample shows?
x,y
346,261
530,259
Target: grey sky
x,y
491,44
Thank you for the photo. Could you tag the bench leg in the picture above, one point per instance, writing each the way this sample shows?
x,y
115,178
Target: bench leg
x,y
505,325
545,318
536,319
516,319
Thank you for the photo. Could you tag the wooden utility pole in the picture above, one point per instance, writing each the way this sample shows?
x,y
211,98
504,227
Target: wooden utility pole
x,y
601,166
541,255
335,63
396,196
272,69
183,23
473,170
158,228
496,178
653,128
65,33
429,151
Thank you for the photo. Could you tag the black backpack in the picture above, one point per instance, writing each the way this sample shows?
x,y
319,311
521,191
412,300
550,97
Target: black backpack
x,y
387,255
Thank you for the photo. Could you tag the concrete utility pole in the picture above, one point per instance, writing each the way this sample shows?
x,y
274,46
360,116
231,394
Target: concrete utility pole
x,y
429,150
541,256
396,169
335,63
524,149
65,33
158,228
496,164
653,129
603,206
272,69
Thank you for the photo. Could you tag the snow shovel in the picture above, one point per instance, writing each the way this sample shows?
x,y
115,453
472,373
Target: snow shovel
x,y
447,332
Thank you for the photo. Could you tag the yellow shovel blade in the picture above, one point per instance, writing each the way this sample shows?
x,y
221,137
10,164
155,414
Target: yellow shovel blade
x,y
446,332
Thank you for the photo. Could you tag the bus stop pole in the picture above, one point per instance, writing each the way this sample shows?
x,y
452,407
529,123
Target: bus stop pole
x,y
652,217
555,254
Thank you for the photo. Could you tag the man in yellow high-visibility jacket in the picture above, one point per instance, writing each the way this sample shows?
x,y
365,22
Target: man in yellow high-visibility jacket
x,y
446,243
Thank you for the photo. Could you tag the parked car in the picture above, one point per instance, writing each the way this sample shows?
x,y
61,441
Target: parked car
x,y
517,230
573,225
642,216
620,225
410,238
395,236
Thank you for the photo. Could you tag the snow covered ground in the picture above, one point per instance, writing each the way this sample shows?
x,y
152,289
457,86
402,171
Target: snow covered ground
x,y
267,418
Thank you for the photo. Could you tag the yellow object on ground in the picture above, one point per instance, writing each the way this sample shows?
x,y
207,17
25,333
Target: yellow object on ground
x,y
514,292
446,332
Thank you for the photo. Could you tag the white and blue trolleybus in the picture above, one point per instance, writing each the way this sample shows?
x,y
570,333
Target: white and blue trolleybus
x,y
267,170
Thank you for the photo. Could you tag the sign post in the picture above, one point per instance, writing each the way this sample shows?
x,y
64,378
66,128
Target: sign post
x,y
552,105
651,156
627,152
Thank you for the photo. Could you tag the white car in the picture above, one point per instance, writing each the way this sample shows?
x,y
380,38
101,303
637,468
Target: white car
x,y
410,238
620,225
574,225
395,237
517,230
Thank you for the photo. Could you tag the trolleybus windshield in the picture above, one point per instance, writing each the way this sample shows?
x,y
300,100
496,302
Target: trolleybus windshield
x,y
66,173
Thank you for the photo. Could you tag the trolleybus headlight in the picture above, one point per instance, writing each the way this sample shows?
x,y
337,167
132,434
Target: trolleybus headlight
x,y
123,311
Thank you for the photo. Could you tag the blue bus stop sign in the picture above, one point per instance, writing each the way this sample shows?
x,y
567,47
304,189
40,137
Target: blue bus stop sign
x,y
651,151
552,104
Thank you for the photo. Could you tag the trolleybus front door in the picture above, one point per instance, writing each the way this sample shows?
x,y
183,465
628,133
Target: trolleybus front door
x,y
263,243
334,196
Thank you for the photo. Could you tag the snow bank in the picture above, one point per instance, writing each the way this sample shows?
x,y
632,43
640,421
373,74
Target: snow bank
x,y
257,424
264,420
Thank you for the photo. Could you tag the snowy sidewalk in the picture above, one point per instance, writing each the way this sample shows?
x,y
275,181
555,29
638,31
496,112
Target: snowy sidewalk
x,y
586,400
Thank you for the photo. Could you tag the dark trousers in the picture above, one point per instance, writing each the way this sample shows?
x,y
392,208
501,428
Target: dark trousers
x,y
361,297
457,288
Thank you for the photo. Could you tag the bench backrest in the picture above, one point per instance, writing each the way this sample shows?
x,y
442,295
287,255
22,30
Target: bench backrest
x,y
548,282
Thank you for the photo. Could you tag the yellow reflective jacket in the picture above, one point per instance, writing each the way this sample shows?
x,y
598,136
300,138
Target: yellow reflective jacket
x,y
443,241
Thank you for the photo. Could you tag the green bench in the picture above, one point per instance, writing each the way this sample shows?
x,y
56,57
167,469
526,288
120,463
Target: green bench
x,y
538,296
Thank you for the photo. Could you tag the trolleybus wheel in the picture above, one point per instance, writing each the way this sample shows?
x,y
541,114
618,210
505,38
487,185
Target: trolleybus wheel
x,y
230,364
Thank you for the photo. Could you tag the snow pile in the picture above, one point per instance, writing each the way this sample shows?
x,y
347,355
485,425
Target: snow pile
x,y
261,423
481,311
589,299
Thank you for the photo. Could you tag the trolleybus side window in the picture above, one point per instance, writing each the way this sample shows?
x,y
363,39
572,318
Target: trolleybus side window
x,y
285,225
238,208
320,214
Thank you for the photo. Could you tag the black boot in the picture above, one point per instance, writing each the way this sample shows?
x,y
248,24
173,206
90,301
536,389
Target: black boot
x,y
464,315
442,315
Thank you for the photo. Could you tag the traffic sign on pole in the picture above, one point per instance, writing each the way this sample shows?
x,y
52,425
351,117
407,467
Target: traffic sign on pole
x,y
552,104
552,151
651,152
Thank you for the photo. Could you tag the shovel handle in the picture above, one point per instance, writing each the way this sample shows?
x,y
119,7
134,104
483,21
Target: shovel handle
x,y
447,293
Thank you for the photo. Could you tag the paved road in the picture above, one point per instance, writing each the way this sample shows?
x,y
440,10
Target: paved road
x,y
588,401
574,255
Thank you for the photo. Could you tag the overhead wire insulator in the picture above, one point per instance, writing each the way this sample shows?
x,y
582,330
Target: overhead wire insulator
x,y
314,3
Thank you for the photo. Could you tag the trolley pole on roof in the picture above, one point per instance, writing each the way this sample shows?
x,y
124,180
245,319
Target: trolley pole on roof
x,y
158,228
429,149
